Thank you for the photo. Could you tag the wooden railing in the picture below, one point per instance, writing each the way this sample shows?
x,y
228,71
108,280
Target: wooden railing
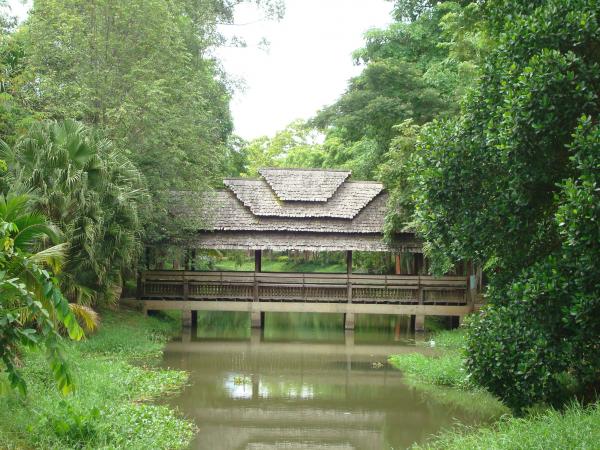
x,y
302,287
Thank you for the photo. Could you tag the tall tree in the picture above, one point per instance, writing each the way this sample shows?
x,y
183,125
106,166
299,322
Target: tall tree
x,y
295,146
93,193
141,72
416,69
513,184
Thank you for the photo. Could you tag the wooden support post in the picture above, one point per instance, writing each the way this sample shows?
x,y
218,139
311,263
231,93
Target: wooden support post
x,y
398,265
349,262
194,319
257,319
186,259
257,269
258,260
349,272
349,321
186,318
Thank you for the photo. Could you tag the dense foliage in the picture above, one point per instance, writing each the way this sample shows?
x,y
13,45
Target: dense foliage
x,y
110,408
141,72
105,107
32,306
92,192
513,184
415,70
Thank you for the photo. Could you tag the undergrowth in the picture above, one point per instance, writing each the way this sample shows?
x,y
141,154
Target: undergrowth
x,y
442,376
575,428
114,377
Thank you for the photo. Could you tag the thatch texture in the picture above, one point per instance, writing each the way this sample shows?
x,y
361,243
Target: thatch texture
x,y
224,212
291,209
306,185
346,203
282,241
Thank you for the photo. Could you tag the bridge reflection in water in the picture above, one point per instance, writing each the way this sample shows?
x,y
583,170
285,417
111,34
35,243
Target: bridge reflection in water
x,y
340,393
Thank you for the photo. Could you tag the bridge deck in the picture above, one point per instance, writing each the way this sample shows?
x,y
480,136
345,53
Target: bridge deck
x,y
303,292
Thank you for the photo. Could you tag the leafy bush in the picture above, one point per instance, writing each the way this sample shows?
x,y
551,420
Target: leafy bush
x,y
513,184
105,409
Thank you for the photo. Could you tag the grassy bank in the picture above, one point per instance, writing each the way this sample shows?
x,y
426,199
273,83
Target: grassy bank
x,y
114,380
575,428
444,378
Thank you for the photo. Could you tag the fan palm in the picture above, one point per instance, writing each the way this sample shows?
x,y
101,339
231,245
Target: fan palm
x,y
92,192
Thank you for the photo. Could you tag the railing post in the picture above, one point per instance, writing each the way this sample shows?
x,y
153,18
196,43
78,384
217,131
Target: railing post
x,y
304,288
348,274
255,287
186,287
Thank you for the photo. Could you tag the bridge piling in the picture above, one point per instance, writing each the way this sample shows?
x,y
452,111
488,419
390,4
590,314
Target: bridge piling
x,y
257,319
349,321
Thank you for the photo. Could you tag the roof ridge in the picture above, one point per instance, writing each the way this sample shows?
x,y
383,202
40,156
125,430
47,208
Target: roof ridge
x,y
310,169
364,181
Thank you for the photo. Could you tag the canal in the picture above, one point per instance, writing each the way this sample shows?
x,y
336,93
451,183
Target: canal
x,y
303,383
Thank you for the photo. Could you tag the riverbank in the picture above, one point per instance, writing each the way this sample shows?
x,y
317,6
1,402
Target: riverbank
x,y
115,378
443,376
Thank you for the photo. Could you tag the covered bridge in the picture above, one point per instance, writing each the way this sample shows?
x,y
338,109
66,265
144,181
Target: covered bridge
x,y
297,209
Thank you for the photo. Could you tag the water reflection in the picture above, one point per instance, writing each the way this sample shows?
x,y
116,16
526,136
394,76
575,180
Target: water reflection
x,y
285,389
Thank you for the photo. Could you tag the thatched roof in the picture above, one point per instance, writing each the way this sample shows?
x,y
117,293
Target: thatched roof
x,y
345,203
282,241
317,210
308,185
224,212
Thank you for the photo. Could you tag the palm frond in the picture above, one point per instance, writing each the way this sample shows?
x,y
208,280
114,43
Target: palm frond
x,y
86,316
52,257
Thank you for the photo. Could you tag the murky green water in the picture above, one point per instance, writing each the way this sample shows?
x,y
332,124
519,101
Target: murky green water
x,y
302,384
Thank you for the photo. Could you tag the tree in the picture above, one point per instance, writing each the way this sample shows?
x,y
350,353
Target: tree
x,y
93,193
140,72
416,69
295,146
15,116
503,184
31,304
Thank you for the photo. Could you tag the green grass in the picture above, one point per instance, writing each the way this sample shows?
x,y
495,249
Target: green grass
x,y
114,378
575,428
443,369
443,376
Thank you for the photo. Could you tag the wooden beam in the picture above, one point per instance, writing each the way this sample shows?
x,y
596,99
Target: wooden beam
x,y
349,262
258,260
357,308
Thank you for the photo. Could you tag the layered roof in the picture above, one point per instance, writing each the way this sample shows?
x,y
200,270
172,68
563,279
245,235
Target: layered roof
x,y
308,185
302,209
345,203
223,212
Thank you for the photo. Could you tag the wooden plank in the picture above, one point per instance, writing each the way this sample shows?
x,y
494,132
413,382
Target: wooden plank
x,y
331,307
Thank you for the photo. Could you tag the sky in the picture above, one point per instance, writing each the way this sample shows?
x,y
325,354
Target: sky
x,y
305,66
